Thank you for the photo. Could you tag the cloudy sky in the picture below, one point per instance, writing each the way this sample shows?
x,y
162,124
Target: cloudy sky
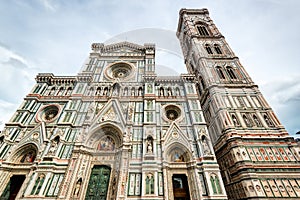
x,y
55,36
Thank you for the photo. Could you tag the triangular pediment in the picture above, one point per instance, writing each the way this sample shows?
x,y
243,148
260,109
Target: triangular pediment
x,y
175,135
112,111
37,135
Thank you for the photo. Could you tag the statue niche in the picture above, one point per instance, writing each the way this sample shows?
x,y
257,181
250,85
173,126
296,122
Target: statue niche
x,y
149,145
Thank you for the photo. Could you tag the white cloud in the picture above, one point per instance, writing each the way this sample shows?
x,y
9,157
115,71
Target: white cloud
x,y
263,33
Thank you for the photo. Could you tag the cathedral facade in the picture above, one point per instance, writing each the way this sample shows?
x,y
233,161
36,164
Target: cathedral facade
x,y
116,130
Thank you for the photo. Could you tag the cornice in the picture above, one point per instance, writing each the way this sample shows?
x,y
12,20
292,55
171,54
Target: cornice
x,y
101,48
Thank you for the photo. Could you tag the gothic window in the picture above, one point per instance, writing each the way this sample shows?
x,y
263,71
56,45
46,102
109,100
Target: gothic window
x,y
247,121
133,91
69,91
217,49
202,30
177,90
231,72
67,117
52,91
241,101
60,91
125,91
256,120
208,49
235,121
134,184
268,121
1,139
149,88
161,91
54,186
17,117
38,184
203,184
220,72
215,183
98,91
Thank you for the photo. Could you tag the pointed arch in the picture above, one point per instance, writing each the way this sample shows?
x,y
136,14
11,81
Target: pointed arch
x,y
217,48
25,154
107,136
208,49
230,72
220,72
177,152
202,29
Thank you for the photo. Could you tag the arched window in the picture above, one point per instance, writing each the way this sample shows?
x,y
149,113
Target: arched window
x,y
105,91
177,91
98,91
38,184
202,30
125,91
169,91
161,91
230,72
220,72
247,121
268,121
52,91
256,120
235,121
60,91
217,49
208,49
215,183
69,91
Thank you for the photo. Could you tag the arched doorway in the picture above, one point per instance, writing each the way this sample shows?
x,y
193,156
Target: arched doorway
x,y
180,187
98,183
179,172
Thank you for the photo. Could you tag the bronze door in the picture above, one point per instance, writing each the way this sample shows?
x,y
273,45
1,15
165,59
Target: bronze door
x,y
98,183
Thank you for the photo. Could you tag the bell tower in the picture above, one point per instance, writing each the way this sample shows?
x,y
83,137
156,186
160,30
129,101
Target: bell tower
x,y
257,157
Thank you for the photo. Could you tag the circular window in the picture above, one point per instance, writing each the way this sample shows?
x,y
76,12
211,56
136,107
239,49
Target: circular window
x,y
49,113
172,112
120,70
